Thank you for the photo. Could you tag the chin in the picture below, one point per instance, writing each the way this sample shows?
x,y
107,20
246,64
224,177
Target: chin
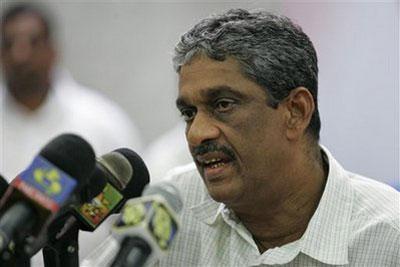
x,y
223,193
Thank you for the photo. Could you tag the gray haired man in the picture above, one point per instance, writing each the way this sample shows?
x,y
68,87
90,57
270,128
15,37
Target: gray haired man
x,y
262,190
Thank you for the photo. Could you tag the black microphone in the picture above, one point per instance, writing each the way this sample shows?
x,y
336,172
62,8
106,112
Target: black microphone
x,y
126,175
62,248
94,186
37,194
147,226
3,186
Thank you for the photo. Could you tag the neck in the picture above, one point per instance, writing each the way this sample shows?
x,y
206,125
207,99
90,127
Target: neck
x,y
275,222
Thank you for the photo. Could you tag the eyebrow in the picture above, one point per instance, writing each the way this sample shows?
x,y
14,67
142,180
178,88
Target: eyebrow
x,y
212,92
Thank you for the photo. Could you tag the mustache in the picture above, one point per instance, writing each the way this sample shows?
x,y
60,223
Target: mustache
x,y
211,146
23,75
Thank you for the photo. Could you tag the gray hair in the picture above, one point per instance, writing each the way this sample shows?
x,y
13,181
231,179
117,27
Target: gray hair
x,y
271,50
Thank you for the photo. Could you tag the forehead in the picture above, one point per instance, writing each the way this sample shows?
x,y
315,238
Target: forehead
x,y
203,74
24,24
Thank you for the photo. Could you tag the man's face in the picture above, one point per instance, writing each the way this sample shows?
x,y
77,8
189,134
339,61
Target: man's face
x,y
237,140
26,54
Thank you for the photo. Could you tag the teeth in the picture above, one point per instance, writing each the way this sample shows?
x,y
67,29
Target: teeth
x,y
217,165
212,160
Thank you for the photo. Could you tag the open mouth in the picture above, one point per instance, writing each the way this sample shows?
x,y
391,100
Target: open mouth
x,y
215,163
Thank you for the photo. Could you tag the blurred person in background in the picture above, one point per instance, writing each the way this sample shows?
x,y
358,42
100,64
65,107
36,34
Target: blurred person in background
x,y
39,100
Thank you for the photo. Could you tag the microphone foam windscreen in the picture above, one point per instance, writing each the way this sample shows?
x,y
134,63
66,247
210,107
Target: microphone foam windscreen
x,y
95,185
128,169
140,176
72,154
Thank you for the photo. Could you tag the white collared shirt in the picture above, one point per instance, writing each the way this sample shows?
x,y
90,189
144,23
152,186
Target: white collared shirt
x,y
357,223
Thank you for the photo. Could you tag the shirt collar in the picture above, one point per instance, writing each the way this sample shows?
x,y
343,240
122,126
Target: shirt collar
x,y
327,234
208,211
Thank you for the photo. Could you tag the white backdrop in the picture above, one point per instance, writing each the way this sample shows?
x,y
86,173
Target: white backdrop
x,y
124,49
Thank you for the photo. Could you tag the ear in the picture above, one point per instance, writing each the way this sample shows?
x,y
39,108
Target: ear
x,y
300,106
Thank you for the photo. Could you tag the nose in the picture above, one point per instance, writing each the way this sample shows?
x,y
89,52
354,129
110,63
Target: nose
x,y
201,129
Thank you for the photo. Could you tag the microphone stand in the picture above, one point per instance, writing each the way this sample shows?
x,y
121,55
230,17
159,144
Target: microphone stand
x,y
64,251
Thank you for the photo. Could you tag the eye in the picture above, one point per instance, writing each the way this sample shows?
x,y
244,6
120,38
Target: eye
x,y
188,114
224,104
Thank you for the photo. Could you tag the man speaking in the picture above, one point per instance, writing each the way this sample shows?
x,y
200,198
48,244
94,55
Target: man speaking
x,y
265,192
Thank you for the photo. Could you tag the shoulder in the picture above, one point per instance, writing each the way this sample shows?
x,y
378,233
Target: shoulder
x,y
375,202
90,101
375,222
99,117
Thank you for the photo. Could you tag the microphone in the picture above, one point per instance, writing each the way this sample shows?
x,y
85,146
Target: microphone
x,y
64,251
3,185
125,175
147,226
48,184
94,186
64,220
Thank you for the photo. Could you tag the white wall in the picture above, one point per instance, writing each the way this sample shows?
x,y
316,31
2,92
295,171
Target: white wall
x,y
124,49
358,51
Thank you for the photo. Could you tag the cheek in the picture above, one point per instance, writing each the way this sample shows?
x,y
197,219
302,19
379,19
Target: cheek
x,y
245,135
257,127
42,59
42,67
260,140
